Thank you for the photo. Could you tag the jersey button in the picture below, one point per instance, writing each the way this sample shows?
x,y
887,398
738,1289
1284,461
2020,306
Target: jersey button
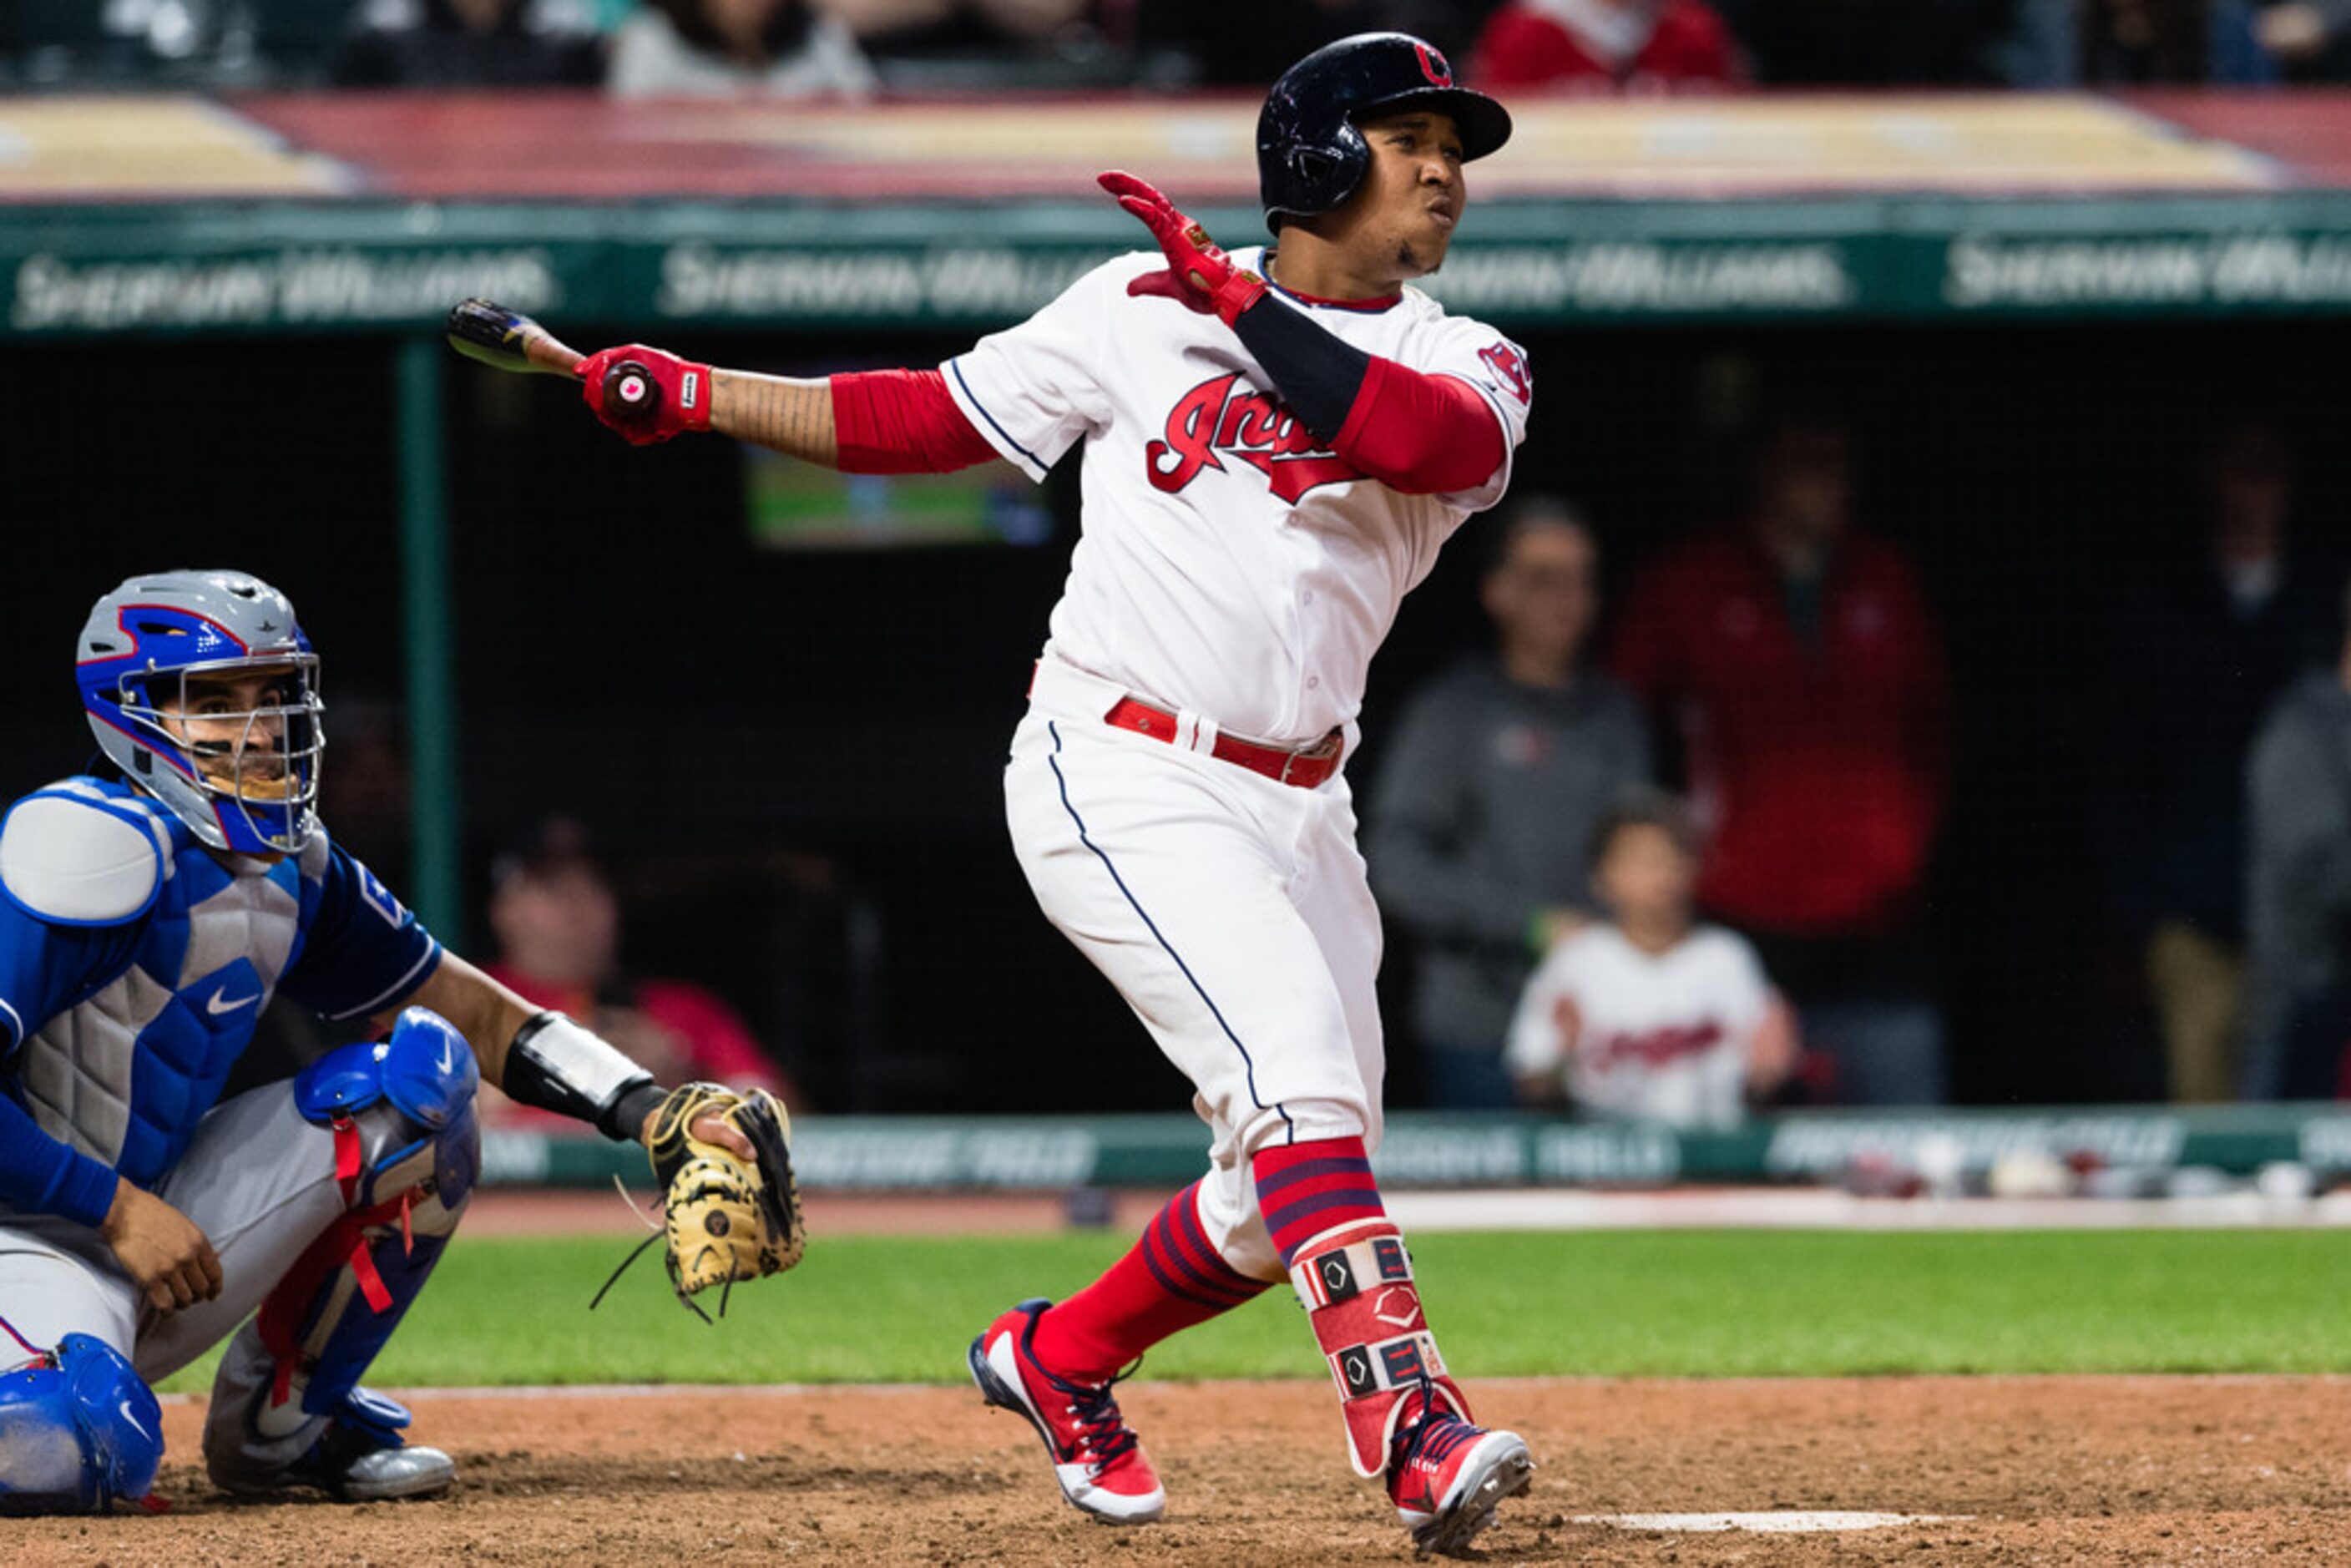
x,y
1307,597
1313,682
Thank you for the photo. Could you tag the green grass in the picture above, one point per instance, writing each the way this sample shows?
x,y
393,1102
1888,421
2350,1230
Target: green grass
x,y
1683,1304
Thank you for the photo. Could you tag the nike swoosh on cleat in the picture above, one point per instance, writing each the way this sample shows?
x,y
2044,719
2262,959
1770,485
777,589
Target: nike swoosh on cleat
x,y
216,1006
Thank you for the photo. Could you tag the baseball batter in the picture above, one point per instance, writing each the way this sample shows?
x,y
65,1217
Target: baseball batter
x,y
152,907
1276,445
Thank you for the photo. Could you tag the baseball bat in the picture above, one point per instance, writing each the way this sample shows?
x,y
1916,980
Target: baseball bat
x,y
508,339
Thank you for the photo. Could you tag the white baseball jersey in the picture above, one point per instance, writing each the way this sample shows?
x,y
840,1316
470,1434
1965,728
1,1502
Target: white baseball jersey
x,y
1234,569
1231,565
1660,1036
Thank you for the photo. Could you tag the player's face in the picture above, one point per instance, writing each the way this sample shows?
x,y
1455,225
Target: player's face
x,y
229,721
1404,213
1647,876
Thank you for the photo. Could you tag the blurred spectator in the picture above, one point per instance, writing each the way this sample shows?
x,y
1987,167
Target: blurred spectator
x,y
1245,43
1497,771
1797,660
558,925
471,43
2298,1005
1869,43
2200,650
995,42
721,48
1649,1014
2120,42
2307,40
1637,46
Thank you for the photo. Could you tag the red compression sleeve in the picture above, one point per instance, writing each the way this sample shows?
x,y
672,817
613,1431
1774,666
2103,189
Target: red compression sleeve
x,y
901,421
1422,434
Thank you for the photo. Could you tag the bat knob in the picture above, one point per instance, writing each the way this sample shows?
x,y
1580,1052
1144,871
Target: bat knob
x,y
630,387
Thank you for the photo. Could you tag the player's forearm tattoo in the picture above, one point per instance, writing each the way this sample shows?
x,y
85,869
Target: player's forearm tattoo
x,y
794,417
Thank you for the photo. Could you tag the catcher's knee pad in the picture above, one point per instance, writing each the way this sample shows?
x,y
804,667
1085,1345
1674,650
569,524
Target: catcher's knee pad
x,y
1356,1283
78,1428
407,1150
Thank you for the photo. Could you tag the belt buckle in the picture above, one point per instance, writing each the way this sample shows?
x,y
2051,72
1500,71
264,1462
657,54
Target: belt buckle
x,y
1321,750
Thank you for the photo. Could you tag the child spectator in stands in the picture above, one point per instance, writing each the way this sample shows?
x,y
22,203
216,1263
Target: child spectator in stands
x,y
470,43
1633,46
558,925
724,48
1649,1014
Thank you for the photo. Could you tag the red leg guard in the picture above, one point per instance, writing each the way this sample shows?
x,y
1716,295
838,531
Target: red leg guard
x,y
1357,1286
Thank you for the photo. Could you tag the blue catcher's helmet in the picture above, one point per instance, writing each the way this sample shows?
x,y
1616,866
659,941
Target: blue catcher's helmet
x,y
153,658
1310,155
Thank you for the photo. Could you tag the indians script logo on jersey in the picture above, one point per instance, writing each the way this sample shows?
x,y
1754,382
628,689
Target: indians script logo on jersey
x,y
1224,414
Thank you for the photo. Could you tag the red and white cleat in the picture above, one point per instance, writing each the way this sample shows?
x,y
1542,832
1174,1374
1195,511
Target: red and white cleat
x,y
1096,1455
1446,1477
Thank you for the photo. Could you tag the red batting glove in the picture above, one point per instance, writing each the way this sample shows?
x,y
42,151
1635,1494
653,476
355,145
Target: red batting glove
x,y
680,400
1199,275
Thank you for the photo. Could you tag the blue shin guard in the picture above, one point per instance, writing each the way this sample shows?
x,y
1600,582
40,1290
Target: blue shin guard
x,y
77,1430
407,1150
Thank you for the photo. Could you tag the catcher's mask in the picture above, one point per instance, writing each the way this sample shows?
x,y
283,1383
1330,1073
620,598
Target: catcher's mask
x,y
202,688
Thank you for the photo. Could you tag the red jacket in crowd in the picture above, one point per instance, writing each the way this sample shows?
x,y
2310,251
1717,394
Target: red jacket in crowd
x,y
1532,44
1819,768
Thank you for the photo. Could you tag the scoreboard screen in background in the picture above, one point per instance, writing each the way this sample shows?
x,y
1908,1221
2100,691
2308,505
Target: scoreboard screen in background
x,y
795,506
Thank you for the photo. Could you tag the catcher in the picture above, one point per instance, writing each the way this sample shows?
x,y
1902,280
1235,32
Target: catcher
x,y
152,907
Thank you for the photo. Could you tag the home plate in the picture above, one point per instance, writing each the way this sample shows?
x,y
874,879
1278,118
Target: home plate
x,y
1777,1523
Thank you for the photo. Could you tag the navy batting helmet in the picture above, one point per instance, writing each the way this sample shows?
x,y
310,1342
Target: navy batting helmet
x,y
1310,155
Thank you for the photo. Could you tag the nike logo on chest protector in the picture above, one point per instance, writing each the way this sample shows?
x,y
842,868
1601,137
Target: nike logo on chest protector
x,y
125,1076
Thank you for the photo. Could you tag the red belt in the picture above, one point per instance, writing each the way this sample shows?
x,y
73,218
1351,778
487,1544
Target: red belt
x,y
1305,769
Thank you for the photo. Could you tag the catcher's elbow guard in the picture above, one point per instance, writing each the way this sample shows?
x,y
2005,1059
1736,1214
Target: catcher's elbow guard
x,y
554,1063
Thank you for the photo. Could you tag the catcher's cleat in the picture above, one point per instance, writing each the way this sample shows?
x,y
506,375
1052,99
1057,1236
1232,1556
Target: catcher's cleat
x,y
1446,1477
383,1473
360,1458
1097,1457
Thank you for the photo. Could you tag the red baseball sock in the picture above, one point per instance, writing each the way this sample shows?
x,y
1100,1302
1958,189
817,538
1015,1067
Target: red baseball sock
x,y
1171,1279
1305,1190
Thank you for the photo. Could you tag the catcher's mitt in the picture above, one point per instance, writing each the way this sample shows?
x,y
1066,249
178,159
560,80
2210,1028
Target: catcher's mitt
x,y
725,1220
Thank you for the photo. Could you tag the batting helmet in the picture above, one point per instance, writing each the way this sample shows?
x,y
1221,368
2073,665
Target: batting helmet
x,y
1310,155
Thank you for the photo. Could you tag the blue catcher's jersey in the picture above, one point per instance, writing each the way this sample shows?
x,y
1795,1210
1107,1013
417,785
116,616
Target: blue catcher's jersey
x,y
118,1027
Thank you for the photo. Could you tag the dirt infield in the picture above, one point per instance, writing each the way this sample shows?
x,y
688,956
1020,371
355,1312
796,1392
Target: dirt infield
x,y
2026,1470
